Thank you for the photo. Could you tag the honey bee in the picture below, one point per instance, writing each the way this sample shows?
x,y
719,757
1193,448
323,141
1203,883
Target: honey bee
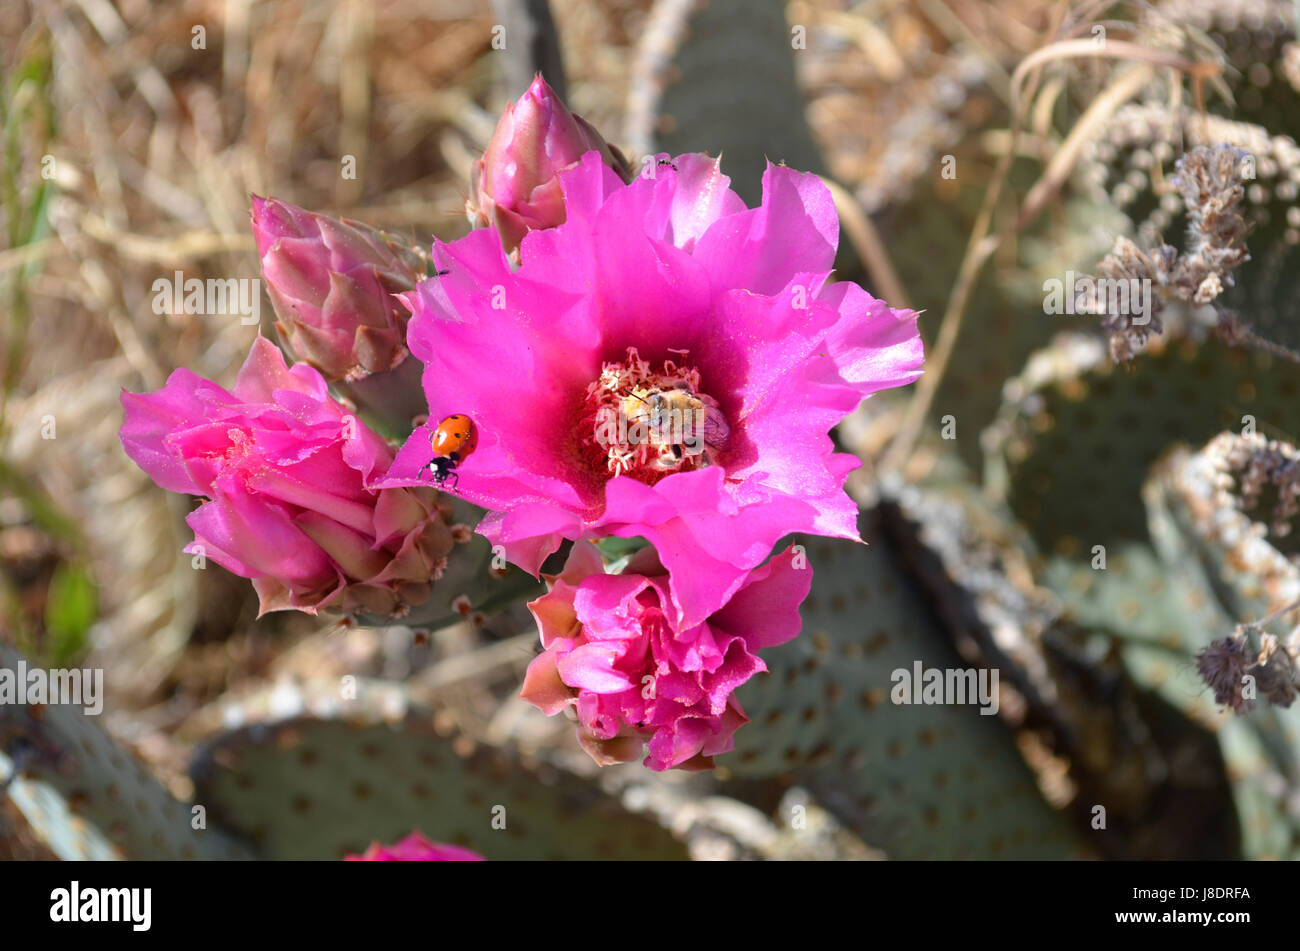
x,y
677,422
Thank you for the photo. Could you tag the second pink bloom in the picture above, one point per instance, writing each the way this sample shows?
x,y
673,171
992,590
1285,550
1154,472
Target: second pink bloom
x,y
615,654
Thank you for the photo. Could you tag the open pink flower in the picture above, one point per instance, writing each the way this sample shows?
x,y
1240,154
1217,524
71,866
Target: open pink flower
x,y
615,654
415,848
284,467
663,294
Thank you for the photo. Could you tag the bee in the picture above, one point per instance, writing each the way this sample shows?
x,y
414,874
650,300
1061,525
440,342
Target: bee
x,y
454,439
677,422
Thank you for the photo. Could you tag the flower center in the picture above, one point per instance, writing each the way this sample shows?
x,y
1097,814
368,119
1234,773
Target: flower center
x,y
649,422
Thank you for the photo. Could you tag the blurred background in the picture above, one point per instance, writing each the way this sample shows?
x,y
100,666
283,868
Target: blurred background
x,y
134,132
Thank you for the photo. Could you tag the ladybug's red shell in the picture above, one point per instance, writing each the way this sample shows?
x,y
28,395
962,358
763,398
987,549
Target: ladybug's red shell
x,y
455,434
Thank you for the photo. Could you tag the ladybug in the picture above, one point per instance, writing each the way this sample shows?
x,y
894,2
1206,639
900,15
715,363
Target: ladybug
x,y
454,439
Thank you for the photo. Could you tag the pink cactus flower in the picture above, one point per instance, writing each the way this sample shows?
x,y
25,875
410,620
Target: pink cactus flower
x,y
614,653
657,304
514,184
415,848
284,469
332,284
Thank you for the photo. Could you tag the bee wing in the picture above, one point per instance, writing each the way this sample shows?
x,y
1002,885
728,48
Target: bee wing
x,y
717,434
717,431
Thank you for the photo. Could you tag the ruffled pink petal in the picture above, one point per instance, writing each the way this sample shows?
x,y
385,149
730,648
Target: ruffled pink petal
x,y
678,687
584,561
765,610
149,418
756,342
651,294
267,541
675,744
543,687
264,372
701,197
556,619
795,229
875,346
736,668
606,602
587,185
530,534
704,539
723,739
591,667
322,485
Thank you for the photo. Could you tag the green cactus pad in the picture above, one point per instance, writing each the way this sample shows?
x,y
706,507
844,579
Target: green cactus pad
x,y
919,781
87,797
1156,773
1077,434
1251,573
1162,606
1149,600
695,89
303,787
49,816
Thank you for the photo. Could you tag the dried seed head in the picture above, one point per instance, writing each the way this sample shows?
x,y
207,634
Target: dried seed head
x,y
1276,672
1222,666
1210,181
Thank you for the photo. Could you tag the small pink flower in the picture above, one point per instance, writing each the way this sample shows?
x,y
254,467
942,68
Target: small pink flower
x,y
332,283
614,653
284,468
663,294
415,848
515,184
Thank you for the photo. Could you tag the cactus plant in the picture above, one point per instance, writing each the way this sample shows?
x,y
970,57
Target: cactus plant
x,y
1076,435
87,797
693,91
1122,748
936,781
329,780
1199,519
1098,564
1130,167
1162,606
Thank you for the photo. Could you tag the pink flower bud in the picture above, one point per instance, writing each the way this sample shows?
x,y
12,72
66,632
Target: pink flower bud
x,y
332,284
514,183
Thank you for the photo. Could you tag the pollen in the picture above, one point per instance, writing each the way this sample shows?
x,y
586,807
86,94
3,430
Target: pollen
x,y
649,422
237,454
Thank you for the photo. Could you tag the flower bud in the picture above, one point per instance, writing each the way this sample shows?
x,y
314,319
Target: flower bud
x,y
332,284
514,184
